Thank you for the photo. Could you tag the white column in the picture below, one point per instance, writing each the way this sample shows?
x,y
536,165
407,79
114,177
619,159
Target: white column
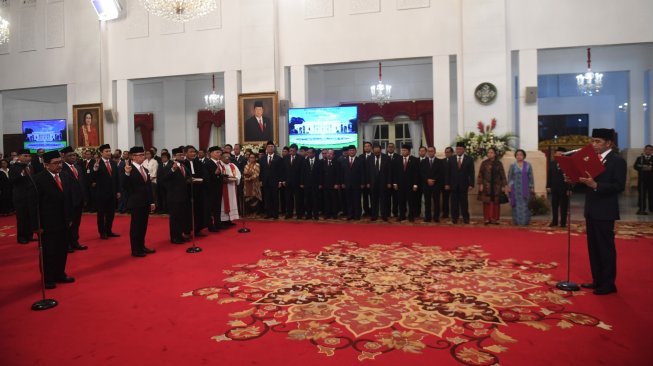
x,y
298,85
180,129
528,138
125,110
231,91
2,122
635,110
441,102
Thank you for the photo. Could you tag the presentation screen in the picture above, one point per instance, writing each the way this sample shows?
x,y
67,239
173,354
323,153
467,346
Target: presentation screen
x,y
325,127
45,134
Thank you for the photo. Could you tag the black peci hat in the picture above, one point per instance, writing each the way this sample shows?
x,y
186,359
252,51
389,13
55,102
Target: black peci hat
x,y
603,133
67,150
24,152
136,150
258,103
104,147
48,156
460,144
214,148
405,146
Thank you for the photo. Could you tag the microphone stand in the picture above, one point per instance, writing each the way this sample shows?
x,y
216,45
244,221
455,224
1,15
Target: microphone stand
x,y
43,304
568,285
194,248
244,229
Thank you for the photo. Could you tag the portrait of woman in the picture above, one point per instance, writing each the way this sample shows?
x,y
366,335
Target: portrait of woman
x,y
88,135
88,124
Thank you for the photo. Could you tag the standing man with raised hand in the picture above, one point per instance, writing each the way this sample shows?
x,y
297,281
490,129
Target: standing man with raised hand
x,y
140,200
71,174
601,211
198,173
214,188
105,176
460,181
24,195
176,180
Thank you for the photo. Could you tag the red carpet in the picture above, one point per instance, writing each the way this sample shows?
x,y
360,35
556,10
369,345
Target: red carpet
x,y
141,311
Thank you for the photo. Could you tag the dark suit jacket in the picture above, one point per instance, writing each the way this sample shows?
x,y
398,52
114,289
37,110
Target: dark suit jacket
x,y
407,178
139,191
240,162
383,176
291,173
271,175
353,176
106,185
175,183
311,178
463,178
55,205
603,204
331,175
435,171
23,190
555,180
213,182
76,183
253,131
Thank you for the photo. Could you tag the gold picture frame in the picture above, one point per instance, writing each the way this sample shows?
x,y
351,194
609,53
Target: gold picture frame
x,y
92,136
249,126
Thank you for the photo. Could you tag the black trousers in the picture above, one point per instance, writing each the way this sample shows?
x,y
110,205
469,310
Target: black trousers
x,y
179,219
106,210
311,201
294,200
330,196
645,190
73,230
418,201
281,200
407,202
393,202
271,200
366,193
431,202
559,204
26,220
353,195
445,203
602,252
379,201
459,204
55,253
138,228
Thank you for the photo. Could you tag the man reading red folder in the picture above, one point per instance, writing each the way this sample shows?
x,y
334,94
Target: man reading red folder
x,y
583,163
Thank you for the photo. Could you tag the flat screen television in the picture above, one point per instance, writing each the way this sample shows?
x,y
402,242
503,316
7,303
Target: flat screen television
x,y
323,127
47,134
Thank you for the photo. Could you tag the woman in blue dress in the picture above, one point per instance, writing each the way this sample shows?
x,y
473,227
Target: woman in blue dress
x,y
520,187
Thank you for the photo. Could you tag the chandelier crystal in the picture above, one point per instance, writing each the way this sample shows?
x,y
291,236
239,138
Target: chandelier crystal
x,y
179,11
214,102
589,83
4,31
381,93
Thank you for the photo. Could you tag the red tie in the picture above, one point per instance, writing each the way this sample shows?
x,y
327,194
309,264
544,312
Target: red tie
x,y
405,163
108,167
72,167
56,179
351,162
260,124
181,167
143,174
460,162
601,158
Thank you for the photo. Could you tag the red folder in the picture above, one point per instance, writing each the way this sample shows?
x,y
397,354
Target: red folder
x,y
583,162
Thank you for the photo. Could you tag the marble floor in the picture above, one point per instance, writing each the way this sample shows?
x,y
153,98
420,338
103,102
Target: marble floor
x,y
627,208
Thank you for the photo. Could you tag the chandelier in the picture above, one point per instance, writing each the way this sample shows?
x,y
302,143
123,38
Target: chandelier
x,y
179,10
590,82
214,102
4,31
381,93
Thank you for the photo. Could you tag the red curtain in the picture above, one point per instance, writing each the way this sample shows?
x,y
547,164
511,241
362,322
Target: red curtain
x,y
417,109
206,119
145,121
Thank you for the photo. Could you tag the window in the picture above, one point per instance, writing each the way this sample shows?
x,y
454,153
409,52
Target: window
x,y
400,131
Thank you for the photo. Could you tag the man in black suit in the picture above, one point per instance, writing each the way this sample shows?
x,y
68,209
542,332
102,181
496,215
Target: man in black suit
x,y
555,184
432,179
55,200
311,183
176,180
331,184
214,187
292,165
24,196
162,195
448,153
198,173
365,192
271,173
460,181
72,176
238,158
258,127
421,155
37,161
379,182
601,211
140,201
353,181
86,165
644,167
106,178
405,180
393,199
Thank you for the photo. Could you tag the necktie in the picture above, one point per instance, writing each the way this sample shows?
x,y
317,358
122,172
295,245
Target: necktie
x,y
405,163
329,162
108,167
143,174
269,159
378,164
72,167
311,164
58,181
601,158
351,162
292,158
260,124
28,170
431,162
460,161
181,167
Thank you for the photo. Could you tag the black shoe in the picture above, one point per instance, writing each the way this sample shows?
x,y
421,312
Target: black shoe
x,y
374,218
71,250
454,221
135,254
445,216
640,212
553,224
113,235
66,279
590,286
436,220
23,241
267,217
214,230
427,220
199,234
104,237
316,218
79,247
410,219
50,285
148,250
177,241
604,290
229,223
466,221
563,225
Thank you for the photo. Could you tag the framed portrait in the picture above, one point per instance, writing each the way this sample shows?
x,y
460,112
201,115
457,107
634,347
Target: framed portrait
x,y
258,117
88,125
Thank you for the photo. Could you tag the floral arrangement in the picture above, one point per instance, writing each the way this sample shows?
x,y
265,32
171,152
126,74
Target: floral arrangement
x,y
255,148
80,150
477,144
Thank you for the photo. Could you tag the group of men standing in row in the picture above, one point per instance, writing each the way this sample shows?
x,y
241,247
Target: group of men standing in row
x,y
373,183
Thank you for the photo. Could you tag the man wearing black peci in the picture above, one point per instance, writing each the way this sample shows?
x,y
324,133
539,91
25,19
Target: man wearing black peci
x,y
353,180
432,178
311,182
86,165
214,183
292,165
644,167
271,173
379,183
601,211
72,176
258,127
198,173
459,180
55,200
555,184
105,176
140,200
405,180
365,192
448,153
176,181
331,184
21,175
393,197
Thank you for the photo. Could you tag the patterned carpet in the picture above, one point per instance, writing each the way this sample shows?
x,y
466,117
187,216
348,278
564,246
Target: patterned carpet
x,y
395,297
